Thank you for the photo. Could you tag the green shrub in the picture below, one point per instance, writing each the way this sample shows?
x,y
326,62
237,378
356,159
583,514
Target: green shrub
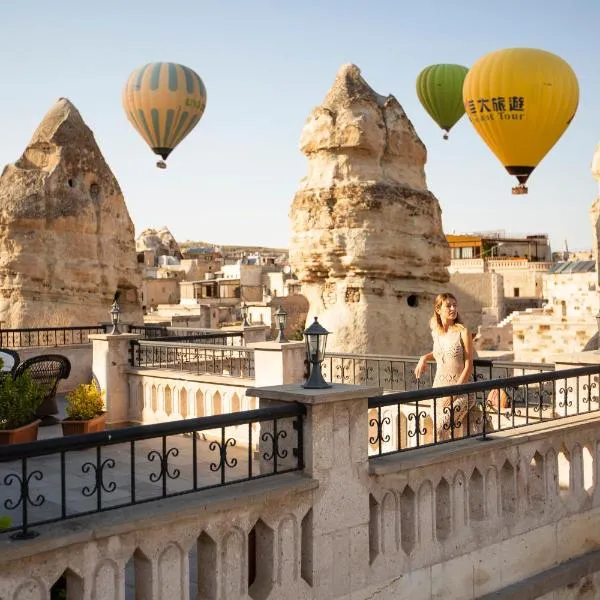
x,y
85,402
19,400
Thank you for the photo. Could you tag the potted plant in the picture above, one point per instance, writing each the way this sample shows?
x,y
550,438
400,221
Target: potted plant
x,y
85,410
20,397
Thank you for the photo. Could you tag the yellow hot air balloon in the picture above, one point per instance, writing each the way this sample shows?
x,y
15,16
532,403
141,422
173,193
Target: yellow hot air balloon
x,y
164,101
520,101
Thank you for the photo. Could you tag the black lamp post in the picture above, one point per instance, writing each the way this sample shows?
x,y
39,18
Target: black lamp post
x,y
244,310
115,317
281,317
316,340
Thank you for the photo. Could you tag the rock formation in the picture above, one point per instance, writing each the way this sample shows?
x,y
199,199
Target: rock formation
x,y
595,209
160,241
367,240
66,238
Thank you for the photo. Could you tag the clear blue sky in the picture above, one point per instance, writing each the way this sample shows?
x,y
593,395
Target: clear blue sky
x,y
266,64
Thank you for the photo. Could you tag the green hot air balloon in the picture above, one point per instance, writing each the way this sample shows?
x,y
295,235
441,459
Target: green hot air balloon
x,y
439,88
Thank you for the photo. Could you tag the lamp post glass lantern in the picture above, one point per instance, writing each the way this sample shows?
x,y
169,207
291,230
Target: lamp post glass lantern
x,y
281,317
316,340
244,309
115,317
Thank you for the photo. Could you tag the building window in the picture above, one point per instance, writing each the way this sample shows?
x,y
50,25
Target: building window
x,y
516,292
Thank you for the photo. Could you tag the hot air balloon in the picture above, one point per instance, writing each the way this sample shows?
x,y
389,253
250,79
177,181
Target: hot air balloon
x,y
520,101
164,101
439,88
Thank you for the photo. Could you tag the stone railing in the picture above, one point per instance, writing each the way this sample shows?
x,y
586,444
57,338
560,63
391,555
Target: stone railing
x,y
491,513
454,521
246,541
507,264
157,396
474,265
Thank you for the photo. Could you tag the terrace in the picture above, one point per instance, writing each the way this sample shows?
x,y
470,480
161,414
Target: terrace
x,y
211,422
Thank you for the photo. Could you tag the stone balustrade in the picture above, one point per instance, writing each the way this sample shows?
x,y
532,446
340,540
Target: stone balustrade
x,y
454,521
471,519
245,541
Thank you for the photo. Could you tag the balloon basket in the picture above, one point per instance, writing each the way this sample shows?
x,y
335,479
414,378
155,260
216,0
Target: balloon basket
x,y
445,136
520,190
161,164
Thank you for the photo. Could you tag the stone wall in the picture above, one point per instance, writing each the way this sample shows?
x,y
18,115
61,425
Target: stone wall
x,y
525,283
539,335
572,294
566,324
160,291
479,297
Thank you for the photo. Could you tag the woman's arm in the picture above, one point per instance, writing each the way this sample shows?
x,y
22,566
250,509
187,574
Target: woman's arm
x,y
467,371
422,364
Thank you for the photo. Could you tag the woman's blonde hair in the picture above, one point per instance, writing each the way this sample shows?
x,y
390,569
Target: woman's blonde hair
x,y
437,304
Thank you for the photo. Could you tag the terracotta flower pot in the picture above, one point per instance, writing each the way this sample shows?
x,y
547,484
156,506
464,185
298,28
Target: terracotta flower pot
x,y
74,427
20,435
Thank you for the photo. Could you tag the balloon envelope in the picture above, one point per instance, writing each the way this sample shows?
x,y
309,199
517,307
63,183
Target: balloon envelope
x,y
164,101
520,101
439,89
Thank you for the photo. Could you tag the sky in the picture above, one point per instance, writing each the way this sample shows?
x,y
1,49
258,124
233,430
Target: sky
x,y
266,64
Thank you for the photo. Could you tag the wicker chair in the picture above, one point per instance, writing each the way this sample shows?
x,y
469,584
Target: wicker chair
x,y
46,370
10,361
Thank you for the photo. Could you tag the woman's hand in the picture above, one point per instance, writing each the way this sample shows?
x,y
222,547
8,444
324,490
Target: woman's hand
x,y
421,367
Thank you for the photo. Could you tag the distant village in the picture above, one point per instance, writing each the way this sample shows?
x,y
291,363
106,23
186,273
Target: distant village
x,y
522,300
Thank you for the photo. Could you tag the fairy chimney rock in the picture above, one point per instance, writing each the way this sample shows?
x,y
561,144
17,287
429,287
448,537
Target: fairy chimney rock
x,y
67,238
595,209
367,240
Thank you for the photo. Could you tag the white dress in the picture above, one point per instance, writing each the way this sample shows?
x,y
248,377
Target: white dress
x,y
449,354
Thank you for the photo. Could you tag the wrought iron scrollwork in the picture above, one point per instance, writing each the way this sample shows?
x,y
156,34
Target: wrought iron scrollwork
x,y
375,422
417,417
450,421
540,399
341,372
24,494
266,436
564,392
392,375
588,387
224,461
98,477
164,464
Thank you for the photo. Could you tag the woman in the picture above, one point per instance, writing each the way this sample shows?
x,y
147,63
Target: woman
x,y
453,353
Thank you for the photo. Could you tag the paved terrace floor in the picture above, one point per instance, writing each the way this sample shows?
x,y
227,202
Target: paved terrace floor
x,y
80,472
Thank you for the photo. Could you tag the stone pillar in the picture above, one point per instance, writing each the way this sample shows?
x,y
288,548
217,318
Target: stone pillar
x,y
110,359
278,364
336,556
255,333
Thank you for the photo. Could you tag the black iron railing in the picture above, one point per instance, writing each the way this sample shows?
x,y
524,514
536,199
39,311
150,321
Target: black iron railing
x,y
62,478
47,336
231,361
396,373
406,421
173,334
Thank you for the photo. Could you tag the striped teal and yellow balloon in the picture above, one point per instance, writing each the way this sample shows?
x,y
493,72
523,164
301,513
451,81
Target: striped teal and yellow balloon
x,y
164,101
